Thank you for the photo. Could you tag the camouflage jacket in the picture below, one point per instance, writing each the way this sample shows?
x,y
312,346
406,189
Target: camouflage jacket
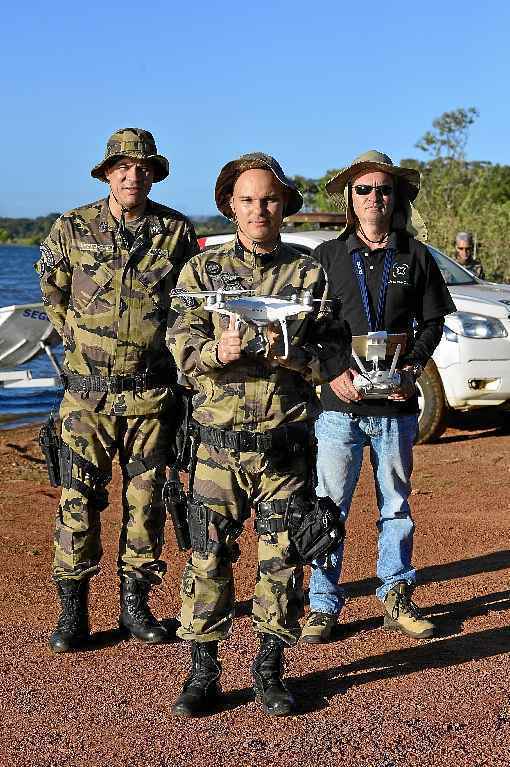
x,y
110,302
475,267
250,393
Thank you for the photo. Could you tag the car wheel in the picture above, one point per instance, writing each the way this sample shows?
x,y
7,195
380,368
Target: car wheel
x,y
432,403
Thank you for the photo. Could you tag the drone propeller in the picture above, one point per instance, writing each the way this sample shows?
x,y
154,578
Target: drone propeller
x,y
207,293
295,299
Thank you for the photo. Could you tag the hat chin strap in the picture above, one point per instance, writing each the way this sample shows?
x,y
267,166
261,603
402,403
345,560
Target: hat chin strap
x,y
121,229
255,244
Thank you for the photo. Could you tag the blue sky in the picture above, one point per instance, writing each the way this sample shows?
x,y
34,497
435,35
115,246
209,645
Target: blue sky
x,y
312,83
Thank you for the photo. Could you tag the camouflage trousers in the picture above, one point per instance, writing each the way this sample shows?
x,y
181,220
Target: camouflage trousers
x,y
142,444
230,484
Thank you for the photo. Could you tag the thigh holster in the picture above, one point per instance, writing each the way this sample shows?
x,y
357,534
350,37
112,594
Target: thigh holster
x,y
212,533
314,525
92,481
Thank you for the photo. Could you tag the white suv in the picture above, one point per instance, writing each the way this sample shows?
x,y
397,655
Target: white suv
x,y
471,366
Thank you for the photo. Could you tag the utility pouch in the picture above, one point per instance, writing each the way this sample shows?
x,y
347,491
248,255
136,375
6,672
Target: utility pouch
x,y
315,528
212,533
49,442
176,505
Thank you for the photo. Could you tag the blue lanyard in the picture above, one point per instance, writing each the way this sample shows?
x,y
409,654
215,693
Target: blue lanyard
x,y
359,270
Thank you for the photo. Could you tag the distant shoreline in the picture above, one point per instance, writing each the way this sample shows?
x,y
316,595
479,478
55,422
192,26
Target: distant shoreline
x,y
19,244
13,421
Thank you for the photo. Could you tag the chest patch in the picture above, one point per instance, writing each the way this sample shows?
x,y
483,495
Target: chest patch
x,y
158,253
231,280
400,274
212,268
93,247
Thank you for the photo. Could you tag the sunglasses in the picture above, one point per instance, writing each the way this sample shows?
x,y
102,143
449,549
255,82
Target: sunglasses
x,y
363,189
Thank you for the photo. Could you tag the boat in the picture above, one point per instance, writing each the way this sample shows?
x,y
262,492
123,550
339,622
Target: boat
x,y
26,332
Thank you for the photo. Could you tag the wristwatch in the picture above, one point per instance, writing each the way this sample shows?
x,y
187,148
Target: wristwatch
x,y
415,369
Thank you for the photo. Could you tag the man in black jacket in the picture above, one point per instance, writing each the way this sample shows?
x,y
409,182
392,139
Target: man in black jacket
x,y
392,293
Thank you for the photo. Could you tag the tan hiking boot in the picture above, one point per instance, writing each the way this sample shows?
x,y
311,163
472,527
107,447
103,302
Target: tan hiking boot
x,y
318,628
401,614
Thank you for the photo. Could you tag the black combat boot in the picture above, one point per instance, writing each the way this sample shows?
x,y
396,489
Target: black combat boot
x,y
73,625
135,616
201,689
267,672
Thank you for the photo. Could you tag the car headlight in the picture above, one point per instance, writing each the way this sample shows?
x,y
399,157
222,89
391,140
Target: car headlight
x,y
473,326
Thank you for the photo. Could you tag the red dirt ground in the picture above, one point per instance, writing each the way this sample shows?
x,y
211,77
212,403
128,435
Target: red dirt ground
x,y
369,698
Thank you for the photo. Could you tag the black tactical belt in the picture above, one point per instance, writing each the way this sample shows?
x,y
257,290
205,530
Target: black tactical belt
x,y
254,441
137,383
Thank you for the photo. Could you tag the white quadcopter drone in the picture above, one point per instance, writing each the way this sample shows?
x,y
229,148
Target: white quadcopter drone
x,y
259,311
376,383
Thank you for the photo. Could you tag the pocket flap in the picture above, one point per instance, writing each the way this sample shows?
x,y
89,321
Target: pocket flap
x,y
156,272
87,283
101,276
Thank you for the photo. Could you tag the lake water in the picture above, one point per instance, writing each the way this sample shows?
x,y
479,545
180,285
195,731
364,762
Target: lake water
x,y
19,284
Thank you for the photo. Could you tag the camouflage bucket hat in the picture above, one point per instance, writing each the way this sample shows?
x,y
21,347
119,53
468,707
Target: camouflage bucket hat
x,y
232,170
136,143
407,182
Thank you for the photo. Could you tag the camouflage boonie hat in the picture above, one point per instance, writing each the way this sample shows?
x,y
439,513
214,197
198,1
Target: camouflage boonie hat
x,y
136,143
408,180
233,169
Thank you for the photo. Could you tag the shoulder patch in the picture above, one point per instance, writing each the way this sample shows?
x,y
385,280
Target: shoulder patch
x,y
232,280
46,261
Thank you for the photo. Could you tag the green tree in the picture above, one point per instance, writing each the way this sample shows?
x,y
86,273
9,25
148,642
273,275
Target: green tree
x,y
449,134
314,194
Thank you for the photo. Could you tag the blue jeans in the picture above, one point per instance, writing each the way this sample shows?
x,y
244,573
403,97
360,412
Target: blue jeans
x,y
341,439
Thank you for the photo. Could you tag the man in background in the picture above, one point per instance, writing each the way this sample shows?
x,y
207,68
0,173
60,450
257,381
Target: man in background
x,y
465,254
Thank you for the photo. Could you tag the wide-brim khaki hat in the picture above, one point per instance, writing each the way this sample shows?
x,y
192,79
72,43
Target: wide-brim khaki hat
x,y
254,160
374,160
408,183
136,143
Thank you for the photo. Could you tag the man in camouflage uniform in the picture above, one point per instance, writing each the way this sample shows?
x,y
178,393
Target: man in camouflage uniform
x,y
464,254
254,415
107,271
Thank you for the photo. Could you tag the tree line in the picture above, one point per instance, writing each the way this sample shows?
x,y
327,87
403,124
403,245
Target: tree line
x,y
456,195
26,231
31,231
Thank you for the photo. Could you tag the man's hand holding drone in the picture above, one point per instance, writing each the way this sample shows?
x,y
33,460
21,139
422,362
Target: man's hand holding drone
x,y
229,347
230,344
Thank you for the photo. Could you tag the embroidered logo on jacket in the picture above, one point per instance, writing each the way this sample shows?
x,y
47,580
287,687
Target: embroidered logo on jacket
x,y
400,274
